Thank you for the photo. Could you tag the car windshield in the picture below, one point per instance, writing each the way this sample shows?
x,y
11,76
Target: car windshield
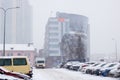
x,y
40,61
111,65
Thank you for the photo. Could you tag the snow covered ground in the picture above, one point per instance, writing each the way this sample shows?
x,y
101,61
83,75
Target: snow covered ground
x,y
2,76
64,74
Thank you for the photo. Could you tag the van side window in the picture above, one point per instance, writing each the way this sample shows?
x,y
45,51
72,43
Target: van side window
x,y
19,61
5,62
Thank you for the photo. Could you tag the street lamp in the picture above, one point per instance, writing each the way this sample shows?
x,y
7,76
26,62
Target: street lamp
x,y
115,48
5,11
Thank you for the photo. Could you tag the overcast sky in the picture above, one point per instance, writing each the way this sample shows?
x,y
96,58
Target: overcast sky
x,y
104,20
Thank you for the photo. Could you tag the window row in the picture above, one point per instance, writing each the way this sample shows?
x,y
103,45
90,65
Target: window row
x,y
53,45
53,51
53,34
16,62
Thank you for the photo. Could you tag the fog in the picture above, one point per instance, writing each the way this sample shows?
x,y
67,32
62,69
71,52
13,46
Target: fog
x,y
103,19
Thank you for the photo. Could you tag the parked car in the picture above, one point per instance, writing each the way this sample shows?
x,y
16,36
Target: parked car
x,y
96,69
69,64
19,64
82,66
76,66
87,69
115,72
14,75
61,65
105,71
90,68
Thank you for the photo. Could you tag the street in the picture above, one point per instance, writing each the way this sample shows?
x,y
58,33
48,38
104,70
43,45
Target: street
x,y
64,74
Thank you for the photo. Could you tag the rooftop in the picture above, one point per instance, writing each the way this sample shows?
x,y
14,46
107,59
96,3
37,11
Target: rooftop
x,y
17,47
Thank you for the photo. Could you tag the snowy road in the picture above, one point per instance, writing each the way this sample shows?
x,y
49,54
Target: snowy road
x,y
63,74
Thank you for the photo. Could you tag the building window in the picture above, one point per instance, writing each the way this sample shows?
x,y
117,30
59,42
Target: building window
x,y
53,51
53,40
53,28
53,34
52,23
53,45
19,54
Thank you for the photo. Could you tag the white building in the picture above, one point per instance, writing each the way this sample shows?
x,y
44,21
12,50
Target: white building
x,y
55,29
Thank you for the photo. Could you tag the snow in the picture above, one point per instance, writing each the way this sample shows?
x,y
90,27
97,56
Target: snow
x,y
17,47
64,74
8,77
60,74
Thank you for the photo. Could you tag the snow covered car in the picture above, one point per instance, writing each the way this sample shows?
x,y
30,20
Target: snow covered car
x,y
75,65
115,72
105,71
69,64
89,68
96,69
6,77
5,72
78,66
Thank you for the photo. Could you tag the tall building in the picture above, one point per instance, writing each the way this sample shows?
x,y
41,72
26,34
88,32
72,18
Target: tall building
x,y
56,28
18,22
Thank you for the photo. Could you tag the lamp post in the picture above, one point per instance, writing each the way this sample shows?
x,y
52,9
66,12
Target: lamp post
x,y
4,31
115,48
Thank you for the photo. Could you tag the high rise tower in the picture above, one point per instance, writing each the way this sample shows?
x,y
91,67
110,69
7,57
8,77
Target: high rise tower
x,y
18,22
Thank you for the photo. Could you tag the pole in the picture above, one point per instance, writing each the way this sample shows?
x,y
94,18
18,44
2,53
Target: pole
x,y
115,48
4,33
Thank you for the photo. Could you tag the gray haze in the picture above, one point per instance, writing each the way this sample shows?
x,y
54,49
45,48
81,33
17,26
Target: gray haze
x,y
104,20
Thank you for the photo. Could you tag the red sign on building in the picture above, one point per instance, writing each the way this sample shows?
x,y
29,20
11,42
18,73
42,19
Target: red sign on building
x,y
61,19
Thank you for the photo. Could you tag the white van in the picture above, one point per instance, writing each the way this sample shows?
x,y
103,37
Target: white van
x,y
40,62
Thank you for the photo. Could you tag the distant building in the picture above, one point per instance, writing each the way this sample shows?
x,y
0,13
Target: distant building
x,y
19,50
56,28
18,22
41,53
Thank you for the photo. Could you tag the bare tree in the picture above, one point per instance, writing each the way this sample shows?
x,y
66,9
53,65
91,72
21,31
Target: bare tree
x,y
73,46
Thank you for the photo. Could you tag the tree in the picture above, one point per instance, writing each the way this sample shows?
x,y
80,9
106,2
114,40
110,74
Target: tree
x,y
73,46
